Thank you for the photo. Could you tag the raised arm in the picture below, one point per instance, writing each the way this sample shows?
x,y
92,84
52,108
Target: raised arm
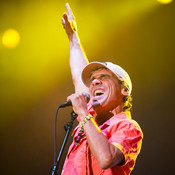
x,y
78,59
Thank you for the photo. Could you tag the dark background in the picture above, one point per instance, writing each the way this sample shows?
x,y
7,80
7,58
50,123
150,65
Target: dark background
x,y
35,76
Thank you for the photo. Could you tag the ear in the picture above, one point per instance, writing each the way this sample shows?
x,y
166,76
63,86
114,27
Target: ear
x,y
125,92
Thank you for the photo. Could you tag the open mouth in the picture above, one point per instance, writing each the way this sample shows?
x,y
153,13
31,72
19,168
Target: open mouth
x,y
98,93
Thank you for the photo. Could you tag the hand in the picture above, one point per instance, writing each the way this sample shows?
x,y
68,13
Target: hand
x,y
68,22
79,103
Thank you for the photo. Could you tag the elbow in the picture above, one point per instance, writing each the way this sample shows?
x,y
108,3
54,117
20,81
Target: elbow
x,y
104,166
109,161
106,162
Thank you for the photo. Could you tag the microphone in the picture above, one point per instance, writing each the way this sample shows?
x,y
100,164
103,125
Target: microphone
x,y
69,103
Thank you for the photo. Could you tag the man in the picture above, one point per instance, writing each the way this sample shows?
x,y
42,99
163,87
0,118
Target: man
x,y
107,140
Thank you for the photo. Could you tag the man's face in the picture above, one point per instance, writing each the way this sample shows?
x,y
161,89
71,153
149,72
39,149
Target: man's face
x,y
105,90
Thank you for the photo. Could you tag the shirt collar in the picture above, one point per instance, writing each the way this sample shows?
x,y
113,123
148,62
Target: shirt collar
x,y
119,116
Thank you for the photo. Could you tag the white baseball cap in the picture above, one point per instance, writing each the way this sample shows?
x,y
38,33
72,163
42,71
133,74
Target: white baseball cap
x,y
115,69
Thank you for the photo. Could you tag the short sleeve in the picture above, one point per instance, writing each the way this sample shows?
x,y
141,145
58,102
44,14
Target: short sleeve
x,y
127,136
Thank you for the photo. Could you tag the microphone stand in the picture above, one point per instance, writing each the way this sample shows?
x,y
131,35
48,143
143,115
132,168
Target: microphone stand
x,y
67,128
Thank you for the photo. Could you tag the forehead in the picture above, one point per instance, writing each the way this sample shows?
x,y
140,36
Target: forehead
x,y
101,71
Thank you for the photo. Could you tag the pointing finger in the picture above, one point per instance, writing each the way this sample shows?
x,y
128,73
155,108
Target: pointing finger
x,y
69,11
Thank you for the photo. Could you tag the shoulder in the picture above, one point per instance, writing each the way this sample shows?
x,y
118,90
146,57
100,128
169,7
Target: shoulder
x,y
122,122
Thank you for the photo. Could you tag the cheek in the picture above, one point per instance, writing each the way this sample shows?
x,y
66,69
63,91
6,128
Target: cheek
x,y
114,91
110,92
90,90
112,87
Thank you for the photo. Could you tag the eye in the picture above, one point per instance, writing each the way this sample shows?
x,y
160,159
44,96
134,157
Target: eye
x,y
104,76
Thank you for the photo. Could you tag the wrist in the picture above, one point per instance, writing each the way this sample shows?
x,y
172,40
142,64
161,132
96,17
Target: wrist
x,y
87,118
74,39
83,122
83,115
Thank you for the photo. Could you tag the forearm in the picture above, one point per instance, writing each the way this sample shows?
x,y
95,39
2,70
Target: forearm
x,y
106,154
77,53
78,60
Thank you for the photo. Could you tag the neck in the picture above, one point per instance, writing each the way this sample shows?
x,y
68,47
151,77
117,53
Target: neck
x,y
117,110
103,116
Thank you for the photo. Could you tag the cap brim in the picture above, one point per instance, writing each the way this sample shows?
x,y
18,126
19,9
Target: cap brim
x,y
87,71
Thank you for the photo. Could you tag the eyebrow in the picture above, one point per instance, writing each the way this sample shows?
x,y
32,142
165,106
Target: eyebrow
x,y
100,76
97,68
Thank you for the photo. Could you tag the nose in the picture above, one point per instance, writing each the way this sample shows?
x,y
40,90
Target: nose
x,y
96,82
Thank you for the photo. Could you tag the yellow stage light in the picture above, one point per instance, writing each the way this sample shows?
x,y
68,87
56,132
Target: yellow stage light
x,y
165,1
10,38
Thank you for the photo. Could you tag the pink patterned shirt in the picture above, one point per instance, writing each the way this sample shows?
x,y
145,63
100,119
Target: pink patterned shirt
x,y
122,132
